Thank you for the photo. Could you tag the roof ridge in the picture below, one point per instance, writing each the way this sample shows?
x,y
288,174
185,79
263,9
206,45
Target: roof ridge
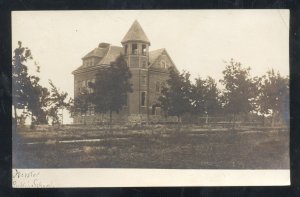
x,y
158,49
102,60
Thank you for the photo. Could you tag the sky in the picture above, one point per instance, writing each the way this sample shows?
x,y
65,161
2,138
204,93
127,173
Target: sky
x,y
198,41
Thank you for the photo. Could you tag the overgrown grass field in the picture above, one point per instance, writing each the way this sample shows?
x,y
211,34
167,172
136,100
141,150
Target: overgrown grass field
x,y
160,146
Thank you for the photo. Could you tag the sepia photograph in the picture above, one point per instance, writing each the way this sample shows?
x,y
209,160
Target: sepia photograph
x,y
149,92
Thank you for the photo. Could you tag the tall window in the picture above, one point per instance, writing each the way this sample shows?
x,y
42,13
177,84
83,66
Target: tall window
x,y
134,49
144,49
126,49
83,84
143,99
144,80
87,85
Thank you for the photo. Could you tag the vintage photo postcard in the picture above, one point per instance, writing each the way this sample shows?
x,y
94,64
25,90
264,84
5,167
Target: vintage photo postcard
x,y
130,98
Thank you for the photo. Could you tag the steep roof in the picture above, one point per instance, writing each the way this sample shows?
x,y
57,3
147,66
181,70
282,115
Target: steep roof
x,y
111,55
107,54
135,33
153,55
97,52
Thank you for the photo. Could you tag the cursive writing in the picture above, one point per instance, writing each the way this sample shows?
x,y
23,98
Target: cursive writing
x,y
28,179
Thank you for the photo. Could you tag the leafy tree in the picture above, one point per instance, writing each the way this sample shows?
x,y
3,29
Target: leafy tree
x,y
274,95
111,87
82,103
20,78
205,97
58,102
53,113
38,102
240,89
27,93
176,95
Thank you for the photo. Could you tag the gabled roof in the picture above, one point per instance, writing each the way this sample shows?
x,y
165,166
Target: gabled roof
x,y
153,55
107,55
111,55
135,33
97,52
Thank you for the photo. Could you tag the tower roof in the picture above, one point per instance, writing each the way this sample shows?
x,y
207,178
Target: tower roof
x,y
135,33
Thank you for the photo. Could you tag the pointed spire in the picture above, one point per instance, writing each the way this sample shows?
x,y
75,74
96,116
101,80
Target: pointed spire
x,y
135,33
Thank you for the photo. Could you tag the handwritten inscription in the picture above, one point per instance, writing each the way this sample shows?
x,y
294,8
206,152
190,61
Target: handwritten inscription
x,y
28,179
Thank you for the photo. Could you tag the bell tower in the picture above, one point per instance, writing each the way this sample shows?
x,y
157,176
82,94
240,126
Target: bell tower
x,y
136,51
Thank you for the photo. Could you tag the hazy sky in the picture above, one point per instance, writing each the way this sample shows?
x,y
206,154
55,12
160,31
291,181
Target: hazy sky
x,y
197,40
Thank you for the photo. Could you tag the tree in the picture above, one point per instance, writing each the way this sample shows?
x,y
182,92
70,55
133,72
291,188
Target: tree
x,y
82,103
176,95
58,102
38,102
111,87
27,93
240,89
205,97
274,95
20,78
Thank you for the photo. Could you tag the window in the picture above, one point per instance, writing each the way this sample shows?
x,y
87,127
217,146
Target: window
x,y
83,84
144,49
126,49
157,88
134,49
144,64
144,80
87,85
143,99
92,111
163,64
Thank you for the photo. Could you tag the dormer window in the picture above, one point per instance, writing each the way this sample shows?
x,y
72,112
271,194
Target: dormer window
x,y
163,64
134,49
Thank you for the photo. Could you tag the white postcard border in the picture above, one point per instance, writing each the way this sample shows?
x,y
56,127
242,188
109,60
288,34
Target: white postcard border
x,y
108,177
